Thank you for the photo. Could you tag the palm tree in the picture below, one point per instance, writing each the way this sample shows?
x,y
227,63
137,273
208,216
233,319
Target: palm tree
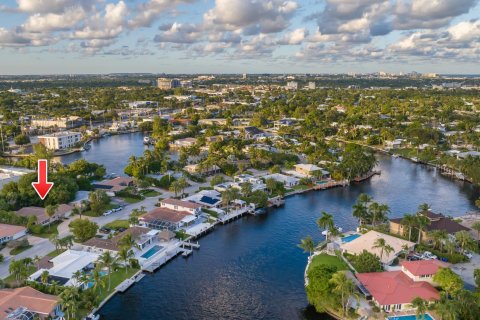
x,y
175,187
438,237
69,299
446,308
44,276
421,308
476,227
405,249
378,212
326,222
50,210
360,208
464,240
409,221
381,244
55,240
424,207
124,255
421,223
108,261
307,245
450,246
344,287
98,279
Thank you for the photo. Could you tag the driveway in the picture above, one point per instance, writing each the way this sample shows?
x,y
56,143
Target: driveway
x,y
465,270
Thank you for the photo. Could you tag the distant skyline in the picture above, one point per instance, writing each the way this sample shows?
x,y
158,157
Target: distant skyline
x,y
239,36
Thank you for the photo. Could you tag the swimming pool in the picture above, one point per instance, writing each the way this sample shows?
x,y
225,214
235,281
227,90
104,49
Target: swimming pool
x,y
151,251
410,317
350,238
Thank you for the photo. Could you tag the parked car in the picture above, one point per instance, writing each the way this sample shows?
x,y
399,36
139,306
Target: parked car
x,y
105,230
427,255
107,213
468,255
414,258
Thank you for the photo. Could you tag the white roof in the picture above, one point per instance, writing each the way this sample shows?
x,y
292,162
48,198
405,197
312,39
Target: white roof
x,y
367,241
308,167
189,218
282,178
70,261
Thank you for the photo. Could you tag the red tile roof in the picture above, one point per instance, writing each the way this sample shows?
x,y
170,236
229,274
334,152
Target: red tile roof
x,y
395,287
165,214
423,267
8,230
33,300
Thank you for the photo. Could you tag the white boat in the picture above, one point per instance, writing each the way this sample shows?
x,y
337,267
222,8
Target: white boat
x,y
325,232
395,155
415,159
147,140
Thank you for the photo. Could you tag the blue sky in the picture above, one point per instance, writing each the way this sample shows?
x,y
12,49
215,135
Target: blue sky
x,y
237,36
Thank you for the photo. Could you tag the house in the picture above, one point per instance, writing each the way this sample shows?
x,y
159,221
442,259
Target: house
x,y
143,237
163,218
65,265
253,133
27,303
10,232
197,169
310,170
367,242
437,222
423,270
206,198
394,291
114,185
185,143
180,205
43,219
287,181
464,155
242,178
395,144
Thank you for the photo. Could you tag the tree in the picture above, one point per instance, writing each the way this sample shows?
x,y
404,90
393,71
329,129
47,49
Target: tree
x,y
50,211
366,262
107,260
424,207
409,221
378,212
83,229
98,279
438,237
344,287
21,139
446,308
464,239
307,245
421,223
360,208
175,187
381,244
476,227
450,282
98,201
44,276
246,189
421,307
319,288
124,255
476,276
326,222
69,298
20,269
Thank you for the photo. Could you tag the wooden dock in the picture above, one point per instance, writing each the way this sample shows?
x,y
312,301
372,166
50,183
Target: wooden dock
x,y
367,176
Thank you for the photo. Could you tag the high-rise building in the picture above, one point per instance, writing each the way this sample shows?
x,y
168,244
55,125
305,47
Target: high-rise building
x,y
166,84
244,76
60,140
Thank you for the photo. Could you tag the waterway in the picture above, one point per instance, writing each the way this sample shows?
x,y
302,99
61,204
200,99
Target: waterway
x,y
252,268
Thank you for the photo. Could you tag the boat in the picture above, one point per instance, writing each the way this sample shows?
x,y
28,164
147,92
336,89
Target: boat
x,y
92,316
415,159
395,155
86,146
147,140
260,211
326,232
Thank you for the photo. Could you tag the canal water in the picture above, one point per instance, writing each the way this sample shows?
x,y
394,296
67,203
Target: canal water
x,y
252,268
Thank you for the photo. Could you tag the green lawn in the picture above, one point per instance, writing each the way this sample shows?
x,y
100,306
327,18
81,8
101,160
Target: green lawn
x,y
45,231
55,253
150,193
117,277
10,280
328,260
18,250
131,200
117,224
110,206
300,187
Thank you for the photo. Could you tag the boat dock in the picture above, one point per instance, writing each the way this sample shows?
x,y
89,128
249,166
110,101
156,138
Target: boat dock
x,y
162,259
190,244
233,215
330,184
367,176
186,252
122,287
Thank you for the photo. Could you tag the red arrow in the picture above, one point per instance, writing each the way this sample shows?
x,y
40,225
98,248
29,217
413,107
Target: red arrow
x,y
42,186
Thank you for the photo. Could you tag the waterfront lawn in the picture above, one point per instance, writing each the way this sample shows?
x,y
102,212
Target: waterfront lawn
x,y
300,187
117,224
116,278
328,260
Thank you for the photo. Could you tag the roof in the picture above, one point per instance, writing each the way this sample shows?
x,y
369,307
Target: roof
x,y
438,222
396,288
112,243
181,203
423,267
8,230
253,130
367,241
118,181
165,214
41,214
33,300
308,167
70,261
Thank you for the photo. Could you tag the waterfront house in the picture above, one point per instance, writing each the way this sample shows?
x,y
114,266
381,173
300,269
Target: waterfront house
x,y
180,205
311,170
437,222
242,178
10,232
394,291
367,242
206,198
114,185
197,169
163,218
65,265
287,181
423,270
28,303
43,219
186,143
143,237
